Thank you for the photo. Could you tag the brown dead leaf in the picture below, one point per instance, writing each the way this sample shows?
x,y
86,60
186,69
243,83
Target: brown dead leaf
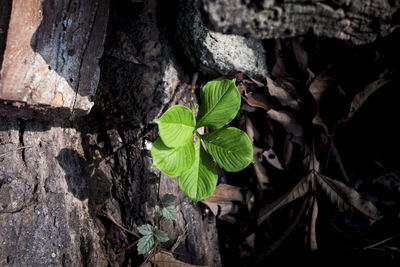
x,y
313,232
390,181
251,131
287,121
300,54
272,158
281,94
279,68
362,96
254,92
287,150
261,172
220,202
166,259
347,198
320,84
226,192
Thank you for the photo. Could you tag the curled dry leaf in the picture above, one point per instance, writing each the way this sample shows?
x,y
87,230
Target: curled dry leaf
x,y
347,198
251,131
281,94
279,68
220,202
313,232
287,150
254,92
320,84
362,96
165,259
261,172
300,54
287,121
390,181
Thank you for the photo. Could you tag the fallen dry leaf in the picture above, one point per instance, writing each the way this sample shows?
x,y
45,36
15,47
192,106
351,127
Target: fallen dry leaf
x,y
347,198
320,84
281,94
287,121
165,259
360,98
261,172
272,158
220,202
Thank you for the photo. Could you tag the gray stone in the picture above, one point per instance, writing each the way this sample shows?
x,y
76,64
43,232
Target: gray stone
x,y
215,53
360,21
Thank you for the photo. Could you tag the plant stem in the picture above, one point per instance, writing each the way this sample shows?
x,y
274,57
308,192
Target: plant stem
x,y
157,223
192,89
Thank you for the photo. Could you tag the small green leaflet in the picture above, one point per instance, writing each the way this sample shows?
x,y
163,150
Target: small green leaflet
x,y
172,161
176,126
230,147
161,236
220,102
146,242
167,199
165,208
145,229
200,180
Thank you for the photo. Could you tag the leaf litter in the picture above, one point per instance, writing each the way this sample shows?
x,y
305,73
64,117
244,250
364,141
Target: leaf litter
x,y
314,187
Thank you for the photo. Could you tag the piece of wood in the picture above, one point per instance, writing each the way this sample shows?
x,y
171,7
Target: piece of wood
x,y
50,62
360,21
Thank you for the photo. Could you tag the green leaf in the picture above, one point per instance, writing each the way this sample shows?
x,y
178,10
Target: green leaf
x,y
176,126
145,244
230,147
169,213
172,161
167,199
161,236
200,180
145,229
220,102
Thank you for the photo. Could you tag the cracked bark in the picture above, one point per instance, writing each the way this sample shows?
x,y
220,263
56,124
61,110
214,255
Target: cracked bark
x,y
360,21
72,171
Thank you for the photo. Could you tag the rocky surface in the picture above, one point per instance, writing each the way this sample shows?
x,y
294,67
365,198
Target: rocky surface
x,y
358,21
216,53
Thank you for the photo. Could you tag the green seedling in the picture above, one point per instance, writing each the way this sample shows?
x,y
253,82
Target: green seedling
x,y
152,235
182,151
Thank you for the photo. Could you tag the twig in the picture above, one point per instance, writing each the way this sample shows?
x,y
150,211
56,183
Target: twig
x,y
382,242
17,149
108,216
128,247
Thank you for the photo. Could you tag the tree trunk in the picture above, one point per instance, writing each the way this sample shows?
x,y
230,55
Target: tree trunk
x,y
67,187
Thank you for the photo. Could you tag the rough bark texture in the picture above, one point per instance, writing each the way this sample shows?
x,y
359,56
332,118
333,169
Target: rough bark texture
x,y
51,57
59,179
360,21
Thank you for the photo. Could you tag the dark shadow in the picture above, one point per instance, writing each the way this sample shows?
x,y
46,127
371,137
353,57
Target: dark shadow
x,y
5,11
84,180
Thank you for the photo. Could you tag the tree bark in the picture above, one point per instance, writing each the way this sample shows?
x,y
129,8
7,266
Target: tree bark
x,y
360,21
50,61
66,186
